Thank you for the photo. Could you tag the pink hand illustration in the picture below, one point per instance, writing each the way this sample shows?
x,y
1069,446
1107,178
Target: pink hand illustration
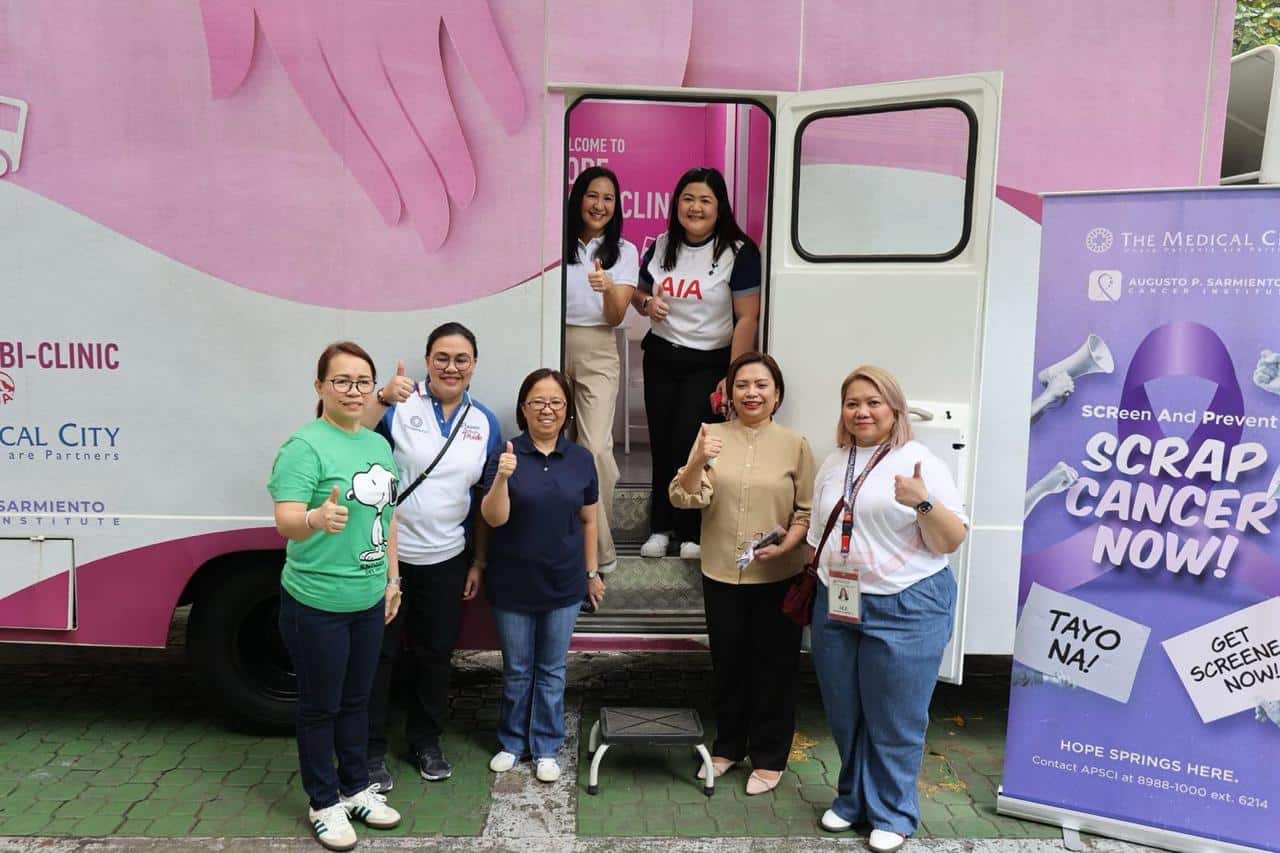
x,y
370,73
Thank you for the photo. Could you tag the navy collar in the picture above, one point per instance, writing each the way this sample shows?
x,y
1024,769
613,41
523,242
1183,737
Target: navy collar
x,y
523,443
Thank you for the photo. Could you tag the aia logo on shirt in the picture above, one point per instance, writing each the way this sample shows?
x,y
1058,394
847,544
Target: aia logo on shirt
x,y
472,433
681,288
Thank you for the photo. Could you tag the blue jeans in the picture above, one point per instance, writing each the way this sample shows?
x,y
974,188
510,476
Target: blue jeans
x,y
535,647
335,656
876,679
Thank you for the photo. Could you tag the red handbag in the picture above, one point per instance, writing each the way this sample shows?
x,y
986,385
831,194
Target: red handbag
x,y
797,605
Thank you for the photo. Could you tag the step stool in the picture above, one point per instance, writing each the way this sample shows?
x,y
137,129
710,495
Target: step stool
x,y
647,727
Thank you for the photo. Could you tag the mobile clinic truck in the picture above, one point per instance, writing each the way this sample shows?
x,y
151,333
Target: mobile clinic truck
x,y
208,193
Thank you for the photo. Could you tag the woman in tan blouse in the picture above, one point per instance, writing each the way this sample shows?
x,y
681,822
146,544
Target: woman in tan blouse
x,y
750,476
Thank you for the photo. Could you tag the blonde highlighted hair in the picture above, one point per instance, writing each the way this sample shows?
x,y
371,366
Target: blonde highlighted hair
x,y
890,391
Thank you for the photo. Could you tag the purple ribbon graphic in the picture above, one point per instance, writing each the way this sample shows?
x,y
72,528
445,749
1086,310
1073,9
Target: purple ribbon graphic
x,y
1180,348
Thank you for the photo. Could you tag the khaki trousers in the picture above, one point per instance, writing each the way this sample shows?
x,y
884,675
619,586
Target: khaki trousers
x,y
592,365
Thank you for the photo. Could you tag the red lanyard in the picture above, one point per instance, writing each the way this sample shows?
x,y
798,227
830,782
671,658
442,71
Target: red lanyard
x,y
851,489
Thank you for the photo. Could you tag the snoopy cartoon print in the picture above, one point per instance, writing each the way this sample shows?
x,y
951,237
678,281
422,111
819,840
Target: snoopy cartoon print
x,y
375,487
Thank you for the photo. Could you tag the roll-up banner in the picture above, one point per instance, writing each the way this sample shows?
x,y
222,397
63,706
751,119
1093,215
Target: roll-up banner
x,y
1145,698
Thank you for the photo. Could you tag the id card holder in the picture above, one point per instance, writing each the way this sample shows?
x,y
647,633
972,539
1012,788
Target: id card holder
x,y
844,599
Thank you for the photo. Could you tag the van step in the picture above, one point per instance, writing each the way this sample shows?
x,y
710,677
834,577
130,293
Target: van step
x,y
650,596
630,518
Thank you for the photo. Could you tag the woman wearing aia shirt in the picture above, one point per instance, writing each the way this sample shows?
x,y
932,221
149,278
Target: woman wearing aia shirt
x,y
700,288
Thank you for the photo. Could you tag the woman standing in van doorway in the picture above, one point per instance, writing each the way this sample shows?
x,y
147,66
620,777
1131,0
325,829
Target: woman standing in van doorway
x,y
877,647
761,481
441,439
540,502
600,276
700,288
334,487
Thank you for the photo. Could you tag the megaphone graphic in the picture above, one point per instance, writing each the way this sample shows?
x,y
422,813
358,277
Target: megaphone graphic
x,y
1093,356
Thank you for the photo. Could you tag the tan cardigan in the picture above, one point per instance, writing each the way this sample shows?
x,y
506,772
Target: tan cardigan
x,y
763,478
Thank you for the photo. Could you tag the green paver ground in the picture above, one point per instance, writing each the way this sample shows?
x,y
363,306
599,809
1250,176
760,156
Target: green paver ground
x,y
643,790
132,750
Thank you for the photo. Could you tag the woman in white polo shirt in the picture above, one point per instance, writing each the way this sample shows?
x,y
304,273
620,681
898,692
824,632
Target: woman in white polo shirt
x,y
890,516
700,288
419,419
600,270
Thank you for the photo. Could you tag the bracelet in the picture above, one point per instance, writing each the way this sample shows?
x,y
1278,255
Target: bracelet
x,y
306,518
644,306
393,581
377,395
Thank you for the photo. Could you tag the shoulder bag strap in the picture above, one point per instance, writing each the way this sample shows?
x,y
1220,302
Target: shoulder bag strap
x,y
434,462
826,534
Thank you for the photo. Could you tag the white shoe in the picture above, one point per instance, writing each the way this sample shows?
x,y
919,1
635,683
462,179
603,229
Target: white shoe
x,y
332,827
502,762
884,841
605,568
547,770
655,545
832,822
690,551
370,808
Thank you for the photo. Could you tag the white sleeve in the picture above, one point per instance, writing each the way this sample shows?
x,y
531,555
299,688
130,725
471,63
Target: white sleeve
x,y
627,268
818,518
941,485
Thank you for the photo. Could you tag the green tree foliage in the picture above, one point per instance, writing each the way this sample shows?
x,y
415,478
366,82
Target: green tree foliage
x,y
1257,22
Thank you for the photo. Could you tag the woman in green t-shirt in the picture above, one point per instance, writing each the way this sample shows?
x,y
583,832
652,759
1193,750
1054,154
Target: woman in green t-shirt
x,y
334,486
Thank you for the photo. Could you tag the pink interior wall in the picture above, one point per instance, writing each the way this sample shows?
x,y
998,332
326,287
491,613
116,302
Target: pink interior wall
x,y
757,173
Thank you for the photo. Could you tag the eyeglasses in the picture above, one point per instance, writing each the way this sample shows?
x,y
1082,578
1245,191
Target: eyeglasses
x,y
343,385
441,361
538,405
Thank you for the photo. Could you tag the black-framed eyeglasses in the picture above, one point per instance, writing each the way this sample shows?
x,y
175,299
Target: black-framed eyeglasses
x,y
343,385
537,405
462,363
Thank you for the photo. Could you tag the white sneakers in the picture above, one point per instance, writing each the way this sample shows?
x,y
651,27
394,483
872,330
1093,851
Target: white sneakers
x,y
370,808
547,770
655,545
884,841
832,822
502,762
332,827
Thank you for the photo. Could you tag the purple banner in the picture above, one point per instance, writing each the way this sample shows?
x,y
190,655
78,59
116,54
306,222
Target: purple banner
x,y
1146,684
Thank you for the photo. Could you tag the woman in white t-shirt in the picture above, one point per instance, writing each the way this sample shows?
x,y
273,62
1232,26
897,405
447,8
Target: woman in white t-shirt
x,y
600,271
883,563
700,288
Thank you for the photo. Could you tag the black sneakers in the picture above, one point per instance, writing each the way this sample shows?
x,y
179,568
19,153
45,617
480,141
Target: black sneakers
x,y
432,765
379,775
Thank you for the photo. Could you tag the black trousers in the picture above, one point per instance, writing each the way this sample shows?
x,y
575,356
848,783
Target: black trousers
x,y
677,383
428,625
755,657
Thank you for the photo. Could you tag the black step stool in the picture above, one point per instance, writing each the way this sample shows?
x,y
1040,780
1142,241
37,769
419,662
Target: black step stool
x,y
647,727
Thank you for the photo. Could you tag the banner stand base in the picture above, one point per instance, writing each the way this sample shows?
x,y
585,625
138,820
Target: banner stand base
x,y
1121,830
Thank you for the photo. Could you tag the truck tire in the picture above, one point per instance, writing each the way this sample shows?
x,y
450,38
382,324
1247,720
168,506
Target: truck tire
x,y
235,648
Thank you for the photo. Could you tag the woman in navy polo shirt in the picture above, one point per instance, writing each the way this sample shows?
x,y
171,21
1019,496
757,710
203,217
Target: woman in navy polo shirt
x,y
540,501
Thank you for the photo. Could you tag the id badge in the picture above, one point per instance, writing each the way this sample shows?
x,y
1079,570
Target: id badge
x,y
844,600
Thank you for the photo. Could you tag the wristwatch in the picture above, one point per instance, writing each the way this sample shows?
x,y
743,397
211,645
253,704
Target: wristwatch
x,y
924,506
593,574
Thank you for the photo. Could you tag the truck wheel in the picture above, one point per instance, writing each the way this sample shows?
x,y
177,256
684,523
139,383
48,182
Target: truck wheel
x,y
234,645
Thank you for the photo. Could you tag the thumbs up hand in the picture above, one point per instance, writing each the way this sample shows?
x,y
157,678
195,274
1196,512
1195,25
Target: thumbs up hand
x,y
707,447
330,516
910,491
599,279
399,388
507,463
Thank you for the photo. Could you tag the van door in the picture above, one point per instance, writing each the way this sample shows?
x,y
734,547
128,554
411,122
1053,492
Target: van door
x,y
880,227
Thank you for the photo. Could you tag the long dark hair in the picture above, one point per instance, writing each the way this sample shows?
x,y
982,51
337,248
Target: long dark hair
x,y
340,348
727,232
533,379
573,225
445,330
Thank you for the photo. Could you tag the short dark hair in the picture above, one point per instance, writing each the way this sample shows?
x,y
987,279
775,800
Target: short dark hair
x,y
610,245
340,348
727,233
533,379
756,358
444,330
